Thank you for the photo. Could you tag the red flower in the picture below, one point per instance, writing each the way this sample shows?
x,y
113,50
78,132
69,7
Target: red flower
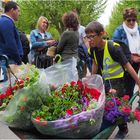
x,y
137,114
69,111
107,108
95,93
25,99
126,109
38,118
64,88
86,90
27,79
8,91
126,97
15,87
110,104
72,83
2,96
80,85
21,85
22,108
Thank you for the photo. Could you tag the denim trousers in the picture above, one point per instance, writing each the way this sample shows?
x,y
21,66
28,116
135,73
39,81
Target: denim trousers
x,y
4,68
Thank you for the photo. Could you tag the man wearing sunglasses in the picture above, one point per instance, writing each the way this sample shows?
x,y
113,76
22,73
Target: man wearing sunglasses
x,y
129,33
111,62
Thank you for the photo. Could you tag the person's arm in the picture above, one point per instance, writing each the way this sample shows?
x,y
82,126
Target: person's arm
x,y
8,32
61,43
132,72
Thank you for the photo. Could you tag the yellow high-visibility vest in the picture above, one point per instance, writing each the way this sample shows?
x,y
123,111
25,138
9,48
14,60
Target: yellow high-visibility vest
x,y
111,69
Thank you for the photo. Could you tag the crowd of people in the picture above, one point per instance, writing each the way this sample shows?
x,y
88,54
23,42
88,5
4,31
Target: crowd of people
x,y
86,44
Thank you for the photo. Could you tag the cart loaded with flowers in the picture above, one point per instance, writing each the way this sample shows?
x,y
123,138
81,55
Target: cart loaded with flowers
x,y
55,103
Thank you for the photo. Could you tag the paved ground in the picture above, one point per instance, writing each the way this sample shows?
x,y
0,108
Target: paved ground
x,y
6,133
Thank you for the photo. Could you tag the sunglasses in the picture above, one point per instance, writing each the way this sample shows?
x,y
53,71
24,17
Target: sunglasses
x,y
91,37
129,20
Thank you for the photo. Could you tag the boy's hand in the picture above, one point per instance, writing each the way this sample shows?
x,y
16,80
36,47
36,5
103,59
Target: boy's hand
x,y
113,91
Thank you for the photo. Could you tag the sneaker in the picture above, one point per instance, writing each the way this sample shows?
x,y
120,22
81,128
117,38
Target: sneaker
x,y
121,134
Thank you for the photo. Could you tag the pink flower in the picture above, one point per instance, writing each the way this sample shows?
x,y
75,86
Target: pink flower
x,y
126,109
137,114
126,97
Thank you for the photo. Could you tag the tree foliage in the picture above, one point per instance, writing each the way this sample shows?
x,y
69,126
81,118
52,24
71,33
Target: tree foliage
x,y
31,10
116,18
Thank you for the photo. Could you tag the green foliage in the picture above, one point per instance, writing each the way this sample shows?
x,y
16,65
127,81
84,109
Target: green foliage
x,y
31,10
117,18
54,32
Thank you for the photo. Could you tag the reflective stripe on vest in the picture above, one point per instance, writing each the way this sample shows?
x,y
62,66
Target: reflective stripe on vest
x,y
113,69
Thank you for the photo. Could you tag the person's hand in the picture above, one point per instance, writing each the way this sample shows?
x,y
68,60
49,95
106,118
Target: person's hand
x,y
51,42
113,91
135,58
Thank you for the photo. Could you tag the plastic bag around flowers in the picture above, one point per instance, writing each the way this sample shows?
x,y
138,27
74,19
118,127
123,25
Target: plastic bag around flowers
x,y
61,73
21,72
18,112
83,125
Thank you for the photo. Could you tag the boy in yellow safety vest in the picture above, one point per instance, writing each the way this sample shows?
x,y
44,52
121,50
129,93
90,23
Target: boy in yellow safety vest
x,y
111,63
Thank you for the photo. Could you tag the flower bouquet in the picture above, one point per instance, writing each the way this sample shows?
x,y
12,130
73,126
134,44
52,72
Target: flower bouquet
x,y
118,110
74,110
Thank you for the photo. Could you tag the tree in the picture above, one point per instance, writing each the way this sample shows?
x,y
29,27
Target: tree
x,y
31,10
116,18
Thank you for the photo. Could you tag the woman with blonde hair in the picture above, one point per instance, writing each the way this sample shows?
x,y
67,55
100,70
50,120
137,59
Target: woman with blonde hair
x,y
40,40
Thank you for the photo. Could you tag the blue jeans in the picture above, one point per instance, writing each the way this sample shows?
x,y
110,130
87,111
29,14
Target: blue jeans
x,y
4,69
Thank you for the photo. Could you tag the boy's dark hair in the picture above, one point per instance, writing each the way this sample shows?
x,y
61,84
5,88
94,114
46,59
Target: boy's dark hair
x,y
94,26
9,5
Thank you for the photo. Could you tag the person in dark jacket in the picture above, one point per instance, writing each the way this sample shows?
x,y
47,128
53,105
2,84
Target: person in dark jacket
x,y
25,46
10,44
69,41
